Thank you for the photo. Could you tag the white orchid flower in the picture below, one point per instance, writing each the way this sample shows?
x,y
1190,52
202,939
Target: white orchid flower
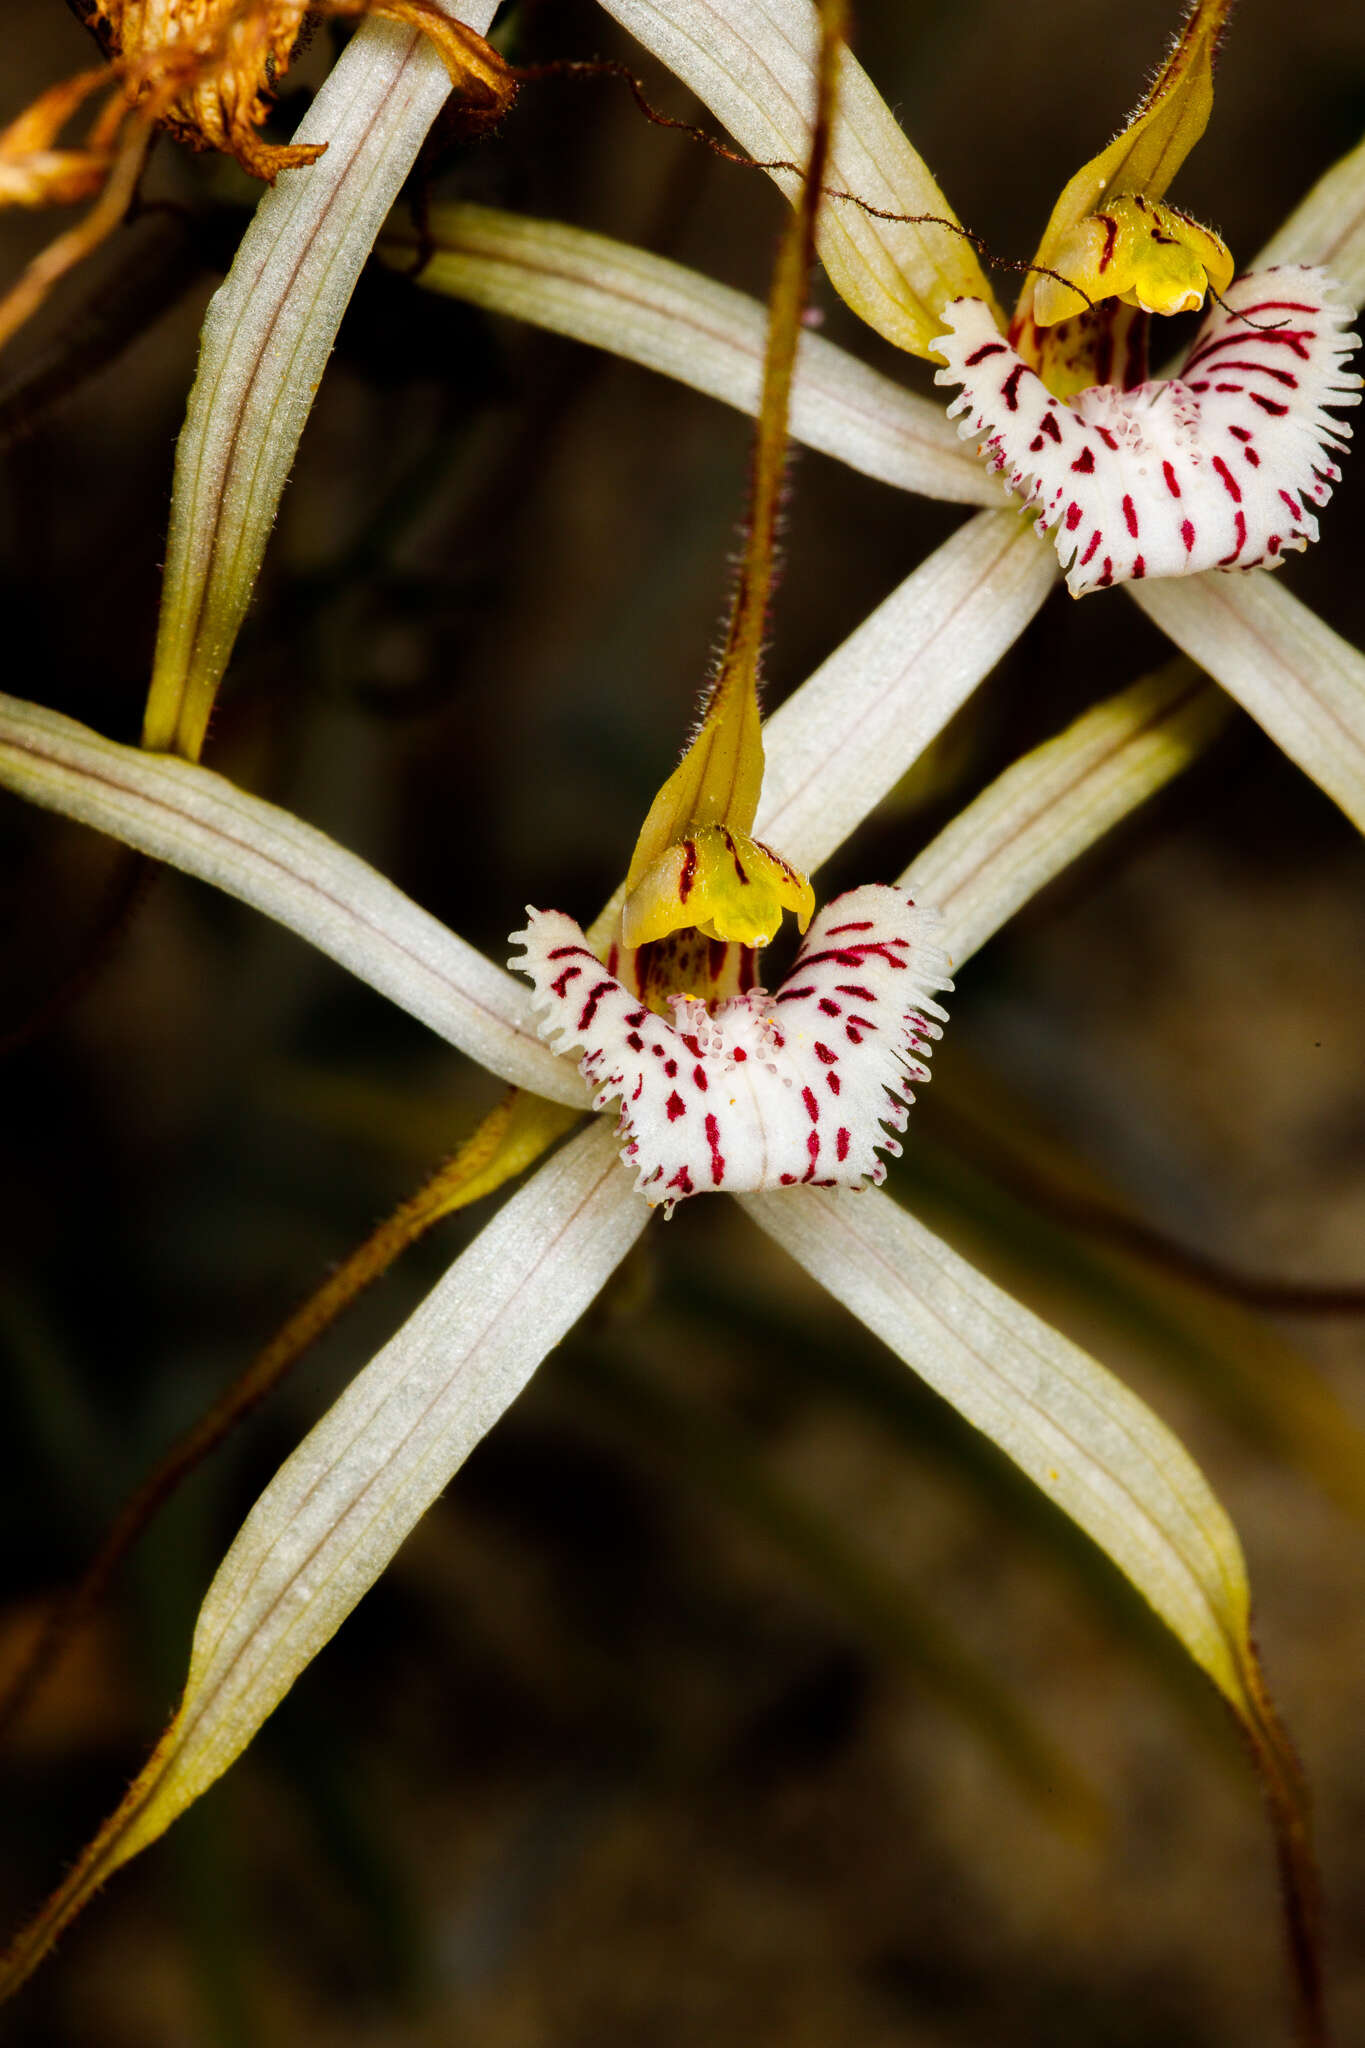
x,y
332,1517
1245,481
330,1520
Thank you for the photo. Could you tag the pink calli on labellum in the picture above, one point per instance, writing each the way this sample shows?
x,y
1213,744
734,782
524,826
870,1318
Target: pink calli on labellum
x,y
762,1091
1218,468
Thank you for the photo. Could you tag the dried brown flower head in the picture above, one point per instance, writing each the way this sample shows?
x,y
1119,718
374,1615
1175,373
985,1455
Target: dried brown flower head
x,y
232,54
206,71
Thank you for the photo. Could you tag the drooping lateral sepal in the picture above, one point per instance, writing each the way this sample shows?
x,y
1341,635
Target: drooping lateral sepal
x,y
1221,467
764,1091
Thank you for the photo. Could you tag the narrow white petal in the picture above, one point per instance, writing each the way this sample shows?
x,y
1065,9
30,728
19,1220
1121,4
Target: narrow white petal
x,y
265,856
1328,228
849,733
1221,467
337,1510
704,334
1297,678
267,336
752,62
1049,807
1077,1432
765,1090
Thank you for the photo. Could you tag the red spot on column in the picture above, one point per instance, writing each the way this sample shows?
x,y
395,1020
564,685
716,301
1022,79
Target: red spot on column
x,y
738,863
1172,480
841,1144
717,1156
675,1106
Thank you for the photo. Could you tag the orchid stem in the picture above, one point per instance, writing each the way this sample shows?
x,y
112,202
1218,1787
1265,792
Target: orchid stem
x,y
737,678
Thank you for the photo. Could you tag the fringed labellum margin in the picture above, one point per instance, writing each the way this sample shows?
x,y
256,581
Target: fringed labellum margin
x,y
764,1091
1218,468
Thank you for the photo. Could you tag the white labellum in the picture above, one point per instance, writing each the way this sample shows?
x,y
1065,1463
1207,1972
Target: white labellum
x,y
766,1091
1219,468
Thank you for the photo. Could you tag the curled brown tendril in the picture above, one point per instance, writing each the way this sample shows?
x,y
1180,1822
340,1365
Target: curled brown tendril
x,y
612,67
1261,326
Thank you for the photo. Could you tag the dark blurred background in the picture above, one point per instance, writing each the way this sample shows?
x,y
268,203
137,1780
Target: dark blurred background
x,y
736,1693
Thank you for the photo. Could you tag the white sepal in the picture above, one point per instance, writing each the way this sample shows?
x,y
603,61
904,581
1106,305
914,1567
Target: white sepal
x,y
844,738
1219,468
338,1508
267,336
764,1091
1077,1432
203,825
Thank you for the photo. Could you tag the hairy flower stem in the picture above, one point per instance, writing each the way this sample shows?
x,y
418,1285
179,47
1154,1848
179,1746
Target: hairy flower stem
x,y
787,305
1289,1809
730,744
